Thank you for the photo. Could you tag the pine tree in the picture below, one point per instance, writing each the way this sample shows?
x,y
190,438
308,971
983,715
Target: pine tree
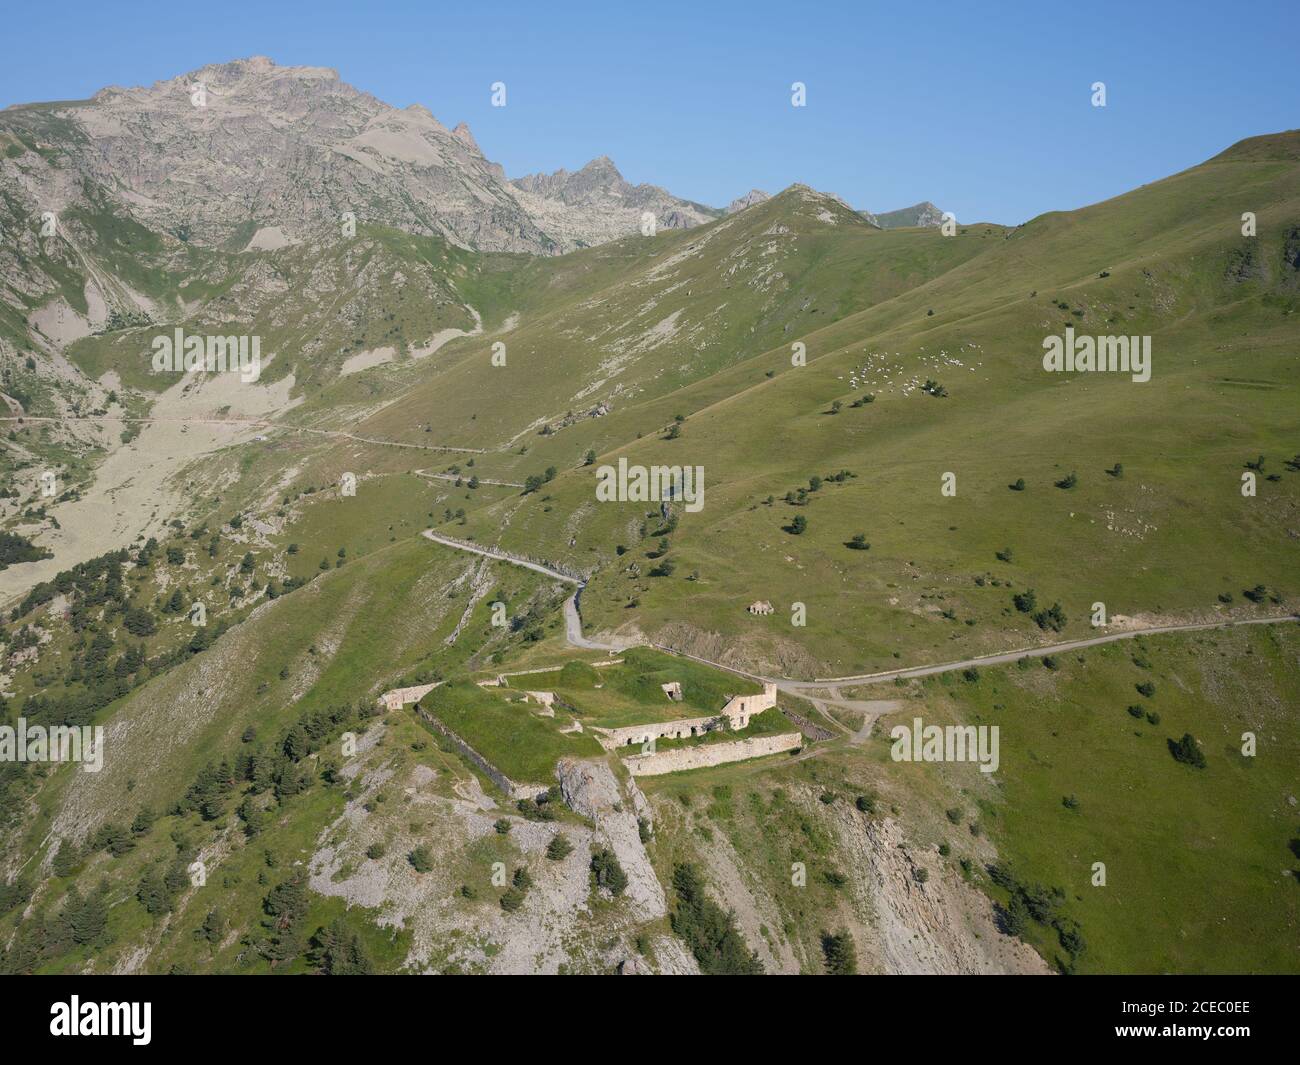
x,y
88,918
213,927
840,954
607,872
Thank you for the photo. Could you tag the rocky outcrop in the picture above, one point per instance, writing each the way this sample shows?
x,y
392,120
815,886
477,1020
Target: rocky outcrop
x,y
750,198
595,204
919,214
592,790
943,925
239,153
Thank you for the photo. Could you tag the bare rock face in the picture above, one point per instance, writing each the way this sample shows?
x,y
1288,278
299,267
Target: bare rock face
x,y
595,204
941,925
225,152
591,789
203,154
752,197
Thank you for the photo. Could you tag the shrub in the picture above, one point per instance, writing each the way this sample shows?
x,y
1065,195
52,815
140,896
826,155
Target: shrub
x,y
1025,601
421,859
1187,751
1013,918
1052,618
607,873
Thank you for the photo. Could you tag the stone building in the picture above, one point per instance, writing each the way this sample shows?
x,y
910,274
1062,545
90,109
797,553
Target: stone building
x,y
738,710
400,697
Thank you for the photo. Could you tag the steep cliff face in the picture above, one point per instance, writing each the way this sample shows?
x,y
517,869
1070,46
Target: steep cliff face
x,y
592,790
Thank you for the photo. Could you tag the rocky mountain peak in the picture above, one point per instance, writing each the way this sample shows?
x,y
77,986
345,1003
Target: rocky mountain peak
x,y
462,133
603,165
291,148
752,197
920,214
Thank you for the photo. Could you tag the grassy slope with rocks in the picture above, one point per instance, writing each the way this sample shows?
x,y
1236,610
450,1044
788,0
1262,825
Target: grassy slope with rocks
x,y
701,324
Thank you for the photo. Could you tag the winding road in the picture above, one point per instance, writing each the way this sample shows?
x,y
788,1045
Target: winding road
x,y
572,619
573,631
256,423
429,475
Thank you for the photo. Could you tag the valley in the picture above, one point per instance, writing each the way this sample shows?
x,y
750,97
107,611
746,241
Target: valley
x,y
472,469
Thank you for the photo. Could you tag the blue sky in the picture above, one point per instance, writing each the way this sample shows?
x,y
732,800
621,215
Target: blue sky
x,y
983,108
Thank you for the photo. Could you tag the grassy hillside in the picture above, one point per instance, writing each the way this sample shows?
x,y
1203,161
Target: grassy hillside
x,y
507,732
1222,393
1199,862
915,356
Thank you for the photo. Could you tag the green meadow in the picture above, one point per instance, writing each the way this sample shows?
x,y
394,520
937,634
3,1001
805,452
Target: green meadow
x,y
631,693
512,736
1199,863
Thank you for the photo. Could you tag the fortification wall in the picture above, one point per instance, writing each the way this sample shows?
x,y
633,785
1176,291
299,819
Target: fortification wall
x,y
738,711
637,734
515,791
400,697
710,754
